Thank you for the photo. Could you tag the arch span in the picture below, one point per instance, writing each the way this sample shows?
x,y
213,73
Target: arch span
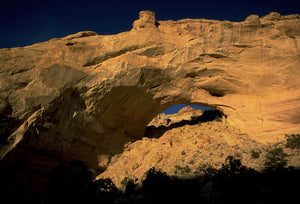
x,y
128,109
247,70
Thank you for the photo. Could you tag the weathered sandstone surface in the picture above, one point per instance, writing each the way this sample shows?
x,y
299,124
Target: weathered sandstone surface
x,y
183,144
85,96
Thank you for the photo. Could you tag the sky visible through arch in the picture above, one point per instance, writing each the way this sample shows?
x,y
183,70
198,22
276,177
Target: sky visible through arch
x,y
24,22
175,108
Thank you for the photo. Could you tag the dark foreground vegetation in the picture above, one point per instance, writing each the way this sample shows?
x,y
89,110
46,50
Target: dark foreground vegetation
x,y
233,183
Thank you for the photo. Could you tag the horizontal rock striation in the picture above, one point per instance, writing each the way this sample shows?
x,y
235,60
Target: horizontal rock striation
x,y
86,95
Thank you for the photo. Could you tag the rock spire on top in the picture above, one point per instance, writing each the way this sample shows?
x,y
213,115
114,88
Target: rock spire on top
x,y
146,20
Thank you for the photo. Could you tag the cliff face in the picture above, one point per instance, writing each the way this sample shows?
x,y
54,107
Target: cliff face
x,y
86,95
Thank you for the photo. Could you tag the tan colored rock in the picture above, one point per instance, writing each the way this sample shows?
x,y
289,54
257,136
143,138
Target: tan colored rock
x,y
147,19
96,93
273,16
252,18
185,113
207,143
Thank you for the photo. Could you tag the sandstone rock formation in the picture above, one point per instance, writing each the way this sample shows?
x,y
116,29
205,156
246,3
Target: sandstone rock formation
x,y
84,96
187,113
185,143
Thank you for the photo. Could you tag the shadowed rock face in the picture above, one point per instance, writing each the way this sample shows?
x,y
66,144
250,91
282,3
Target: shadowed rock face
x,y
86,95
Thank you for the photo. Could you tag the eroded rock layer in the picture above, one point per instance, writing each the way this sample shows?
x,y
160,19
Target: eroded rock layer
x,y
84,96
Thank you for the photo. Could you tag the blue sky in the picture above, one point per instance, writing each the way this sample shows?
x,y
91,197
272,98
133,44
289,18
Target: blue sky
x,y
176,108
24,22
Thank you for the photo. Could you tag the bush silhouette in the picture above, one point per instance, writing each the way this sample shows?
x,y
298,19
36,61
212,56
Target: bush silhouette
x,y
130,189
12,186
255,154
293,141
73,183
275,158
232,183
106,191
182,170
162,188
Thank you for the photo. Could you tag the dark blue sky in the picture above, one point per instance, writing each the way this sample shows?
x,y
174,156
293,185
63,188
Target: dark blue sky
x,y
24,22
176,108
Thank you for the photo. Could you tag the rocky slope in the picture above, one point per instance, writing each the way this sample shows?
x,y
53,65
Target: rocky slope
x,y
84,96
182,146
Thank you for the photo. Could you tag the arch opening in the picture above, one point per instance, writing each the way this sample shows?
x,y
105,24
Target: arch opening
x,y
175,108
180,115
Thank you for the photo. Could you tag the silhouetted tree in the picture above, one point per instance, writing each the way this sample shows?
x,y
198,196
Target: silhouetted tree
x,y
276,158
293,141
73,183
130,189
232,183
235,183
163,188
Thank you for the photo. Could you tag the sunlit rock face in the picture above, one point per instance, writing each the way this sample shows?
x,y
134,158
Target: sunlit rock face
x,y
86,95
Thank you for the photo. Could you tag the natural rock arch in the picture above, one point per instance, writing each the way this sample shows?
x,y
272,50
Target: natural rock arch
x,y
130,108
102,91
